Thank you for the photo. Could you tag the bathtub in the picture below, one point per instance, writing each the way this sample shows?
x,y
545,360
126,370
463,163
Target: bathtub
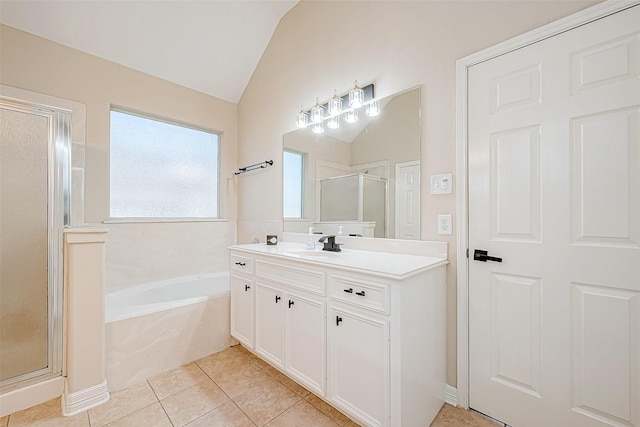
x,y
158,326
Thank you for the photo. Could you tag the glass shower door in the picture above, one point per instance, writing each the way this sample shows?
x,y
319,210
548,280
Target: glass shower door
x,y
31,220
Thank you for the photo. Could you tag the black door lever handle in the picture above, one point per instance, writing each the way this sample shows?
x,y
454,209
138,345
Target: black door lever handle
x,y
480,255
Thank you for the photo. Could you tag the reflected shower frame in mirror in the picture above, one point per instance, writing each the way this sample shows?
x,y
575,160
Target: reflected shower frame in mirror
x,y
386,146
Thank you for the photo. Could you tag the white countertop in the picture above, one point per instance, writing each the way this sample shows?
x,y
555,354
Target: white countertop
x,y
388,264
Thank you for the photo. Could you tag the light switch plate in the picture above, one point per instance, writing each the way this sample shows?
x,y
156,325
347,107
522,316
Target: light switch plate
x,y
444,224
441,184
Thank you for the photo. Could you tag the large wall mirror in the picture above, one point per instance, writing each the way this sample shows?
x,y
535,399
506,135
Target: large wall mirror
x,y
362,179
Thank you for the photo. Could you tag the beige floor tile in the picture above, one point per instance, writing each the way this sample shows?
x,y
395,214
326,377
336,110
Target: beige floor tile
x,y
266,401
227,415
240,379
221,361
271,370
242,350
48,414
4,420
123,403
193,402
302,414
292,385
151,416
327,409
174,381
457,417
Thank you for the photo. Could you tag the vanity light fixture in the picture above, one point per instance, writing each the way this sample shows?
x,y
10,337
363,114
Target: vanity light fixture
x,y
351,116
318,128
356,96
303,118
338,106
335,105
334,122
373,108
317,113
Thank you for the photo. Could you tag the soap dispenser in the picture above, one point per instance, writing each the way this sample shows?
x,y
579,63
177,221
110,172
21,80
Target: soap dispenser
x,y
340,230
311,244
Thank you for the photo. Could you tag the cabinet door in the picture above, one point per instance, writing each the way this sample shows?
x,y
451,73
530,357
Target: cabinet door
x,y
305,332
242,310
359,365
270,324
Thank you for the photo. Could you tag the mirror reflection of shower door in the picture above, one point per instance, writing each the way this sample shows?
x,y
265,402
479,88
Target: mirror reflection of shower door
x,y
34,143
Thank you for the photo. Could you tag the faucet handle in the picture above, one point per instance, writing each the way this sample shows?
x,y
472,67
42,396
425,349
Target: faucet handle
x,y
330,243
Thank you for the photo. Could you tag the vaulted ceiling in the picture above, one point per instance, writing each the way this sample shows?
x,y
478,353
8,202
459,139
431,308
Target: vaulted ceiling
x,y
209,46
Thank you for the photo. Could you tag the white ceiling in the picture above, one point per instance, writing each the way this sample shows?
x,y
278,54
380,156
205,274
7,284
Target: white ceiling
x,y
209,46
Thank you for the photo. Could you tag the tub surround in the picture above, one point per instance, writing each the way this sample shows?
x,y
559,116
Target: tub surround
x,y
364,330
159,326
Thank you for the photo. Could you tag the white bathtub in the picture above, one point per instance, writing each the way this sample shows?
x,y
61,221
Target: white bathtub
x,y
159,326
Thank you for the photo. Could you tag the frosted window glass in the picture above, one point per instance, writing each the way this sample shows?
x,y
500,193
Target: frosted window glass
x,y
292,177
162,170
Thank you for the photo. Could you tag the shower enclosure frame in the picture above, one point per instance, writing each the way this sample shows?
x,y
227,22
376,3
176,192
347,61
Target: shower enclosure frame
x,y
58,217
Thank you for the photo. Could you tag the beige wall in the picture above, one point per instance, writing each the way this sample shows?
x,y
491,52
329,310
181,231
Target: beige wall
x,y
35,64
320,46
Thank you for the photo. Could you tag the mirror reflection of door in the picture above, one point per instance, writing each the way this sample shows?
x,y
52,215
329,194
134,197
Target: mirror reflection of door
x,y
408,201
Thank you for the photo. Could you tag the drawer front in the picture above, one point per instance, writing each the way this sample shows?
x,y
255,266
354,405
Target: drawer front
x,y
241,264
301,278
360,292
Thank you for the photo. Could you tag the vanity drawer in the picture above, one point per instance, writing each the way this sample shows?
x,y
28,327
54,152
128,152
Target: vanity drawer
x,y
241,264
360,292
292,275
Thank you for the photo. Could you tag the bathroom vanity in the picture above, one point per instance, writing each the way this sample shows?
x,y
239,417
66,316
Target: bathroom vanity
x,y
363,330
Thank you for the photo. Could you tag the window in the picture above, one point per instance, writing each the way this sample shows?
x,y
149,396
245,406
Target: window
x,y
161,170
293,173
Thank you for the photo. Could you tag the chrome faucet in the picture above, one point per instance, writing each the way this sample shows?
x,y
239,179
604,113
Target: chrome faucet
x,y
330,243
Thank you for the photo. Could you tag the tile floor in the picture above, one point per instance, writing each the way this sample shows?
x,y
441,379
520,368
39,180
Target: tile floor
x,y
232,388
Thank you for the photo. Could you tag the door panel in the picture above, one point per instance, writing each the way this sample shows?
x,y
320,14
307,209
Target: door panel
x,y
270,324
554,189
305,336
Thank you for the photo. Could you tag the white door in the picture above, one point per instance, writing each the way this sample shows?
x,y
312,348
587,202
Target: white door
x,y
270,324
242,310
554,190
359,365
305,338
408,201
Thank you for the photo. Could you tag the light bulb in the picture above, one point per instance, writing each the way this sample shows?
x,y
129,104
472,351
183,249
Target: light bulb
x,y
373,108
351,116
356,96
317,113
334,122
335,105
318,128
303,119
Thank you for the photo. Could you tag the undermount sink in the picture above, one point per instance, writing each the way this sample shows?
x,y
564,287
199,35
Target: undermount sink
x,y
318,253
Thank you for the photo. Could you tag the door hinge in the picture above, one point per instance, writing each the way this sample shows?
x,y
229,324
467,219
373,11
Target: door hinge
x,y
467,252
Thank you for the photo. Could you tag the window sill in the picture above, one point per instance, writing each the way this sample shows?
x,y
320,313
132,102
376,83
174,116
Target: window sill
x,y
159,220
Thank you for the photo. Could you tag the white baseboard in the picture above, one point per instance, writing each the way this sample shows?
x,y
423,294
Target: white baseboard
x,y
79,401
451,395
32,395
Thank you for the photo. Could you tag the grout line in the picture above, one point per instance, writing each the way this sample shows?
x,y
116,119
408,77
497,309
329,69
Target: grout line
x,y
160,402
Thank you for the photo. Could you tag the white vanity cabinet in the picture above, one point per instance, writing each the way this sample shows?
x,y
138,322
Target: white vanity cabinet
x,y
290,326
359,365
365,331
242,299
